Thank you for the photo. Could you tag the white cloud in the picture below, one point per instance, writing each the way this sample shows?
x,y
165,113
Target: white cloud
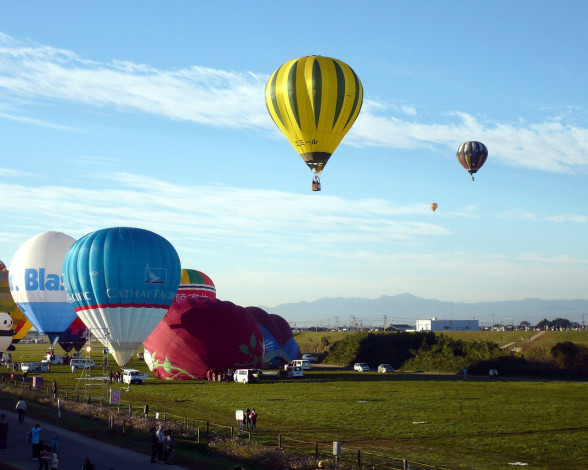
x,y
37,73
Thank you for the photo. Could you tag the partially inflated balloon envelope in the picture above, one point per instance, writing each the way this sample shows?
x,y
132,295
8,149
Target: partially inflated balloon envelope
x,y
7,304
195,283
121,282
74,337
279,343
200,335
20,324
36,282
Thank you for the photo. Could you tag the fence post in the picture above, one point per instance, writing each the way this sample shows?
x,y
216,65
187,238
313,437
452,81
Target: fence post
x,y
198,435
405,464
89,399
124,425
232,431
67,395
165,416
359,458
130,410
316,450
249,435
279,441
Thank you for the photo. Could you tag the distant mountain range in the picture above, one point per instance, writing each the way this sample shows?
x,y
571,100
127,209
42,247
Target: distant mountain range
x,y
407,308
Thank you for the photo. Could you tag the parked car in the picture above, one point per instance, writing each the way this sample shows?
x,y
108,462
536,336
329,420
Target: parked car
x,y
295,372
304,363
383,368
246,376
34,367
361,367
132,376
82,364
308,357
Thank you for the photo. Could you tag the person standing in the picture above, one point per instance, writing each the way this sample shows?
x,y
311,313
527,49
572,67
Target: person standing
x,y
3,432
160,439
44,456
54,460
21,407
55,443
35,440
247,418
253,416
153,445
168,447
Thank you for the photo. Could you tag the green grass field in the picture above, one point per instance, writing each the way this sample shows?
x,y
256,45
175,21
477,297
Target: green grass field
x,y
440,420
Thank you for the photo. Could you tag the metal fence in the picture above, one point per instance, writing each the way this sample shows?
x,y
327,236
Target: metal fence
x,y
120,418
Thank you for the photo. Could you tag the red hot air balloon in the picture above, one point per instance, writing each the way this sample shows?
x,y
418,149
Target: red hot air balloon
x,y
200,336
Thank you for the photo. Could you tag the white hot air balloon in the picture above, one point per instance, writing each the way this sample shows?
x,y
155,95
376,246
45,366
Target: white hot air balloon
x,y
36,282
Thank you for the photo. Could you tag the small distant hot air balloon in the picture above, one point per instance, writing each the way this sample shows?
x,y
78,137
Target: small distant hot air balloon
x,y
121,282
472,155
433,206
195,283
314,101
36,282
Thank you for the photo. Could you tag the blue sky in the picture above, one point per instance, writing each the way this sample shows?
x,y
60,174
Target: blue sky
x,y
152,114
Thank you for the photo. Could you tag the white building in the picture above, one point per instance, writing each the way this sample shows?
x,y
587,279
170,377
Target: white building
x,y
447,325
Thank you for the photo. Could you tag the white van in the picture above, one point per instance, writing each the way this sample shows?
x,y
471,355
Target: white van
x,y
132,376
246,376
303,363
82,364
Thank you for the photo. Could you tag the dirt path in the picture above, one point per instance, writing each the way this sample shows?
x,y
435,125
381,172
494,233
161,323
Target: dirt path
x,y
73,449
532,338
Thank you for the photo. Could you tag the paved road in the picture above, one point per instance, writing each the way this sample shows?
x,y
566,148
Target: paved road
x,y
73,449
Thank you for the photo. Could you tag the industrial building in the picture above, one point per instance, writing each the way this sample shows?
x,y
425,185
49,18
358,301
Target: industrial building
x,y
447,325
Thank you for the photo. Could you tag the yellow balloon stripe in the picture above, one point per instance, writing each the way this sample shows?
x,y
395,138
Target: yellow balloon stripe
x,y
314,101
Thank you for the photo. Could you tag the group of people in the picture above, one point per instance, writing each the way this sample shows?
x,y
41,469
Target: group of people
x,y
249,420
162,445
44,453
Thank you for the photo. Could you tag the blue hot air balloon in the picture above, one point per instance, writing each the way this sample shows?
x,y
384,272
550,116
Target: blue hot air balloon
x,y
121,281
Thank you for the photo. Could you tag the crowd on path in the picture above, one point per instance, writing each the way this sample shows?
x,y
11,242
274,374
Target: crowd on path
x,y
46,449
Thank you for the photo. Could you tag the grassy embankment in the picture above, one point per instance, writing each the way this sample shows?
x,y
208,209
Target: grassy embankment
x,y
441,420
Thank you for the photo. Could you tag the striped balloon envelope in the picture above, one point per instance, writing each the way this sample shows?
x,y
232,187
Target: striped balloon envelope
x,y
195,283
472,155
6,301
314,101
20,324
121,282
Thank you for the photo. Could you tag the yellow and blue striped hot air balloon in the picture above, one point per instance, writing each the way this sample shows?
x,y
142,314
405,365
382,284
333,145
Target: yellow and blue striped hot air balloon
x,y
314,101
